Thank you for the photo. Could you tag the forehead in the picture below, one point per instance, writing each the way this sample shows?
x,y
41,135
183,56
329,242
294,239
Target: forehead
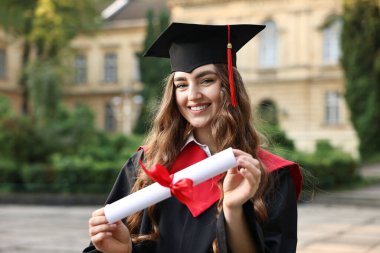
x,y
197,71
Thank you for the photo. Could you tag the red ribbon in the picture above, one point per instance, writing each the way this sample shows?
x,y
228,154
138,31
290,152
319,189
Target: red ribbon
x,y
182,189
230,69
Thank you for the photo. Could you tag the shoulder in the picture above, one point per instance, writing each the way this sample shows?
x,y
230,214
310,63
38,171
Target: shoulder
x,y
133,161
273,163
131,166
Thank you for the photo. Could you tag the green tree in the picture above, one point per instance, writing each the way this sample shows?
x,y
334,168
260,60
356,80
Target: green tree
x,y
16,19
153,71
5,108
45,27
268,124
360,45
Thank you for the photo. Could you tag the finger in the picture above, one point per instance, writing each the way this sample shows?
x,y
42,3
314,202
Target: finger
x,y
102,228
233,171
253,175
252,178
252,184
250,159
98,212
248,162
248,178
241,154
98,220
238,152
98,238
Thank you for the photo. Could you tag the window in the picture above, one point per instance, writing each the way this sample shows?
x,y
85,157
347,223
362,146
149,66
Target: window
x,y
80,69
2,63
268,46
331,42
136,68
109,119
332,108
110,68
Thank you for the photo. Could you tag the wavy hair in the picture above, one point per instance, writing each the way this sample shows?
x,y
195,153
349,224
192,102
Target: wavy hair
x,y
233,127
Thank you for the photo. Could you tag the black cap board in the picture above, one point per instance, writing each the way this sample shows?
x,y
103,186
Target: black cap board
x,y
189,46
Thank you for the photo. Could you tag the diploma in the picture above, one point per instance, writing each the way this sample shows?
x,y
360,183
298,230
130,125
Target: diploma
x,y
154,193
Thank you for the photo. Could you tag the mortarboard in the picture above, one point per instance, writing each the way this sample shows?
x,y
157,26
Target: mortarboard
x,y
189,46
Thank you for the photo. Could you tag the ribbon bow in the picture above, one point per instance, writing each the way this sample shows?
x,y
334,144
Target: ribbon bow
x,y
182,189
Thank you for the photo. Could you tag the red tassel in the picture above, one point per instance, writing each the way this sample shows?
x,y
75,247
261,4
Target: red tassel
x,y
230,70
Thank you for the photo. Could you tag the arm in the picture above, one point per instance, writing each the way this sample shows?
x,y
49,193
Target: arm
x,y
239,186
110,238
278,234
238,234
120,189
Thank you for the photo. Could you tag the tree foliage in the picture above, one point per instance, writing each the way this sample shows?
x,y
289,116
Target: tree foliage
x,y
153,70
360,45
45,27
23,141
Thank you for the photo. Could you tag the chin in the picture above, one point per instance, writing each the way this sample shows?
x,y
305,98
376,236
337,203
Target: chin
x,y
199,125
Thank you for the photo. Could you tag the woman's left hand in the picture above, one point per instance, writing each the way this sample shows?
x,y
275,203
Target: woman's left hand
x,y
241,183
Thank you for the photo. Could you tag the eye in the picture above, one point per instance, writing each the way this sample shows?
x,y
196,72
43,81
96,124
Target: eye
x,y
208,81
180,85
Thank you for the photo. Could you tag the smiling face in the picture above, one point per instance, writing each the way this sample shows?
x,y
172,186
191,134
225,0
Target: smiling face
x,y
198,95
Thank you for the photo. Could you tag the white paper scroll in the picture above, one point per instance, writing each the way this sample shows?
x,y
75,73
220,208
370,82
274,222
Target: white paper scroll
x,y
154,193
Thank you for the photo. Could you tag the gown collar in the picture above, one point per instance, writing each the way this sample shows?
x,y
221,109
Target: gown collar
x,y
204,147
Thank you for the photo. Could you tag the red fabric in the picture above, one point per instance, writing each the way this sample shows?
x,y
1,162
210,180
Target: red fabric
x,y
207,192
200,197
273,162
181,189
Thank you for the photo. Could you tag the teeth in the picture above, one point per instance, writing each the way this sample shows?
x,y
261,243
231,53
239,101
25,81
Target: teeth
x,y
198,108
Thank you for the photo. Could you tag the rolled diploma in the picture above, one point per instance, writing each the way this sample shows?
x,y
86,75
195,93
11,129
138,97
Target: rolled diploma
x,y
154,193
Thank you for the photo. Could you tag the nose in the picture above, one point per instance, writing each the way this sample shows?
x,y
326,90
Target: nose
x,y
194,92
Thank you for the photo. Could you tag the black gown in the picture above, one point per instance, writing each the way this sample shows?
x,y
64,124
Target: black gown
x,y
180,232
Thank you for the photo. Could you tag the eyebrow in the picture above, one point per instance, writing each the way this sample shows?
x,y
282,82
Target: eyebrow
x,y
199,75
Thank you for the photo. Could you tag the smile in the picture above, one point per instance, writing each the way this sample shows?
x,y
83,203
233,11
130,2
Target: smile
x,y
198,107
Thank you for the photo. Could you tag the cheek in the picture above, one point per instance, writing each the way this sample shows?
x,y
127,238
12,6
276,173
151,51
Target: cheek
x,y
218,95
180,100
177,98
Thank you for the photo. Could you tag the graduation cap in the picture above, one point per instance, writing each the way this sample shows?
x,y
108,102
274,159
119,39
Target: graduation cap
x,y
189,46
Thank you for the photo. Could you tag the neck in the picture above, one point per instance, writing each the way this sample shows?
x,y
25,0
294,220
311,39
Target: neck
x,y
203,135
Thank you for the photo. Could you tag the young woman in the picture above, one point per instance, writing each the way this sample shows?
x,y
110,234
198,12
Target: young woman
x,y
205,109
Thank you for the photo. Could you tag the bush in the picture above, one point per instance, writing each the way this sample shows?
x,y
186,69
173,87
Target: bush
x,y
328,166
75,174
20,140
67,154
92,170
38,177
276,138
70,174
10,178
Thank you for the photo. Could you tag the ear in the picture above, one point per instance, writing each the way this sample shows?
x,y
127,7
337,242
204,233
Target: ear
x,y
223,93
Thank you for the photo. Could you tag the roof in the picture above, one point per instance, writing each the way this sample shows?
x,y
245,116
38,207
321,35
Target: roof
x,y
132,9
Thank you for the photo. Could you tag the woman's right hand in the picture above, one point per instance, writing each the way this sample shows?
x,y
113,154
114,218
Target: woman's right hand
x,y
109,238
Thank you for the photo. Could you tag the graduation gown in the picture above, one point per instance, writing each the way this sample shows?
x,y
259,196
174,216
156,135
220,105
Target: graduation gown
x,y
180,232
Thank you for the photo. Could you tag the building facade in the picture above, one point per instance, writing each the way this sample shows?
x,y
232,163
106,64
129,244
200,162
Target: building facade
x,y
105,66
293,65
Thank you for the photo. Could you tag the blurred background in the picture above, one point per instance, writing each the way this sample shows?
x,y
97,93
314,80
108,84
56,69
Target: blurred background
x,y
77,98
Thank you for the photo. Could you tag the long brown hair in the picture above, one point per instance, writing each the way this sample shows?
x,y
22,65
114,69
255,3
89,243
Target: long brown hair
x,y
233,127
